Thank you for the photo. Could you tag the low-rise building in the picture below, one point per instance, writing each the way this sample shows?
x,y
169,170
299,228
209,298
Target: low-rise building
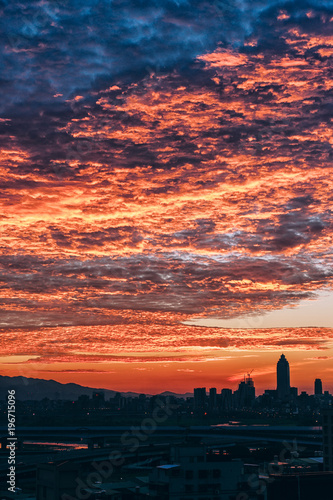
x,y
194,474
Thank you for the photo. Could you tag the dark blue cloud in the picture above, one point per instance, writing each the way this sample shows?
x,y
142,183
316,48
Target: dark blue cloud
x,y
64,47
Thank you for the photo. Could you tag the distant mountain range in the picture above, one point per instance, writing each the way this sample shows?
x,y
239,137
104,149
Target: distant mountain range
x,y
37,389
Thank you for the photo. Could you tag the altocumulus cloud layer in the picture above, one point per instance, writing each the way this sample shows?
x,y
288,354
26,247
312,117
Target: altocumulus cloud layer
x,y
168,158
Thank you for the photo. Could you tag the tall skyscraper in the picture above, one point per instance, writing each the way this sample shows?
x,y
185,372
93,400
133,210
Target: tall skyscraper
x,y
318,387
283,378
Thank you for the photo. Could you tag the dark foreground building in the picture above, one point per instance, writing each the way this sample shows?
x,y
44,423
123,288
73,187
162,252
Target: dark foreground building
x,y
55,481
192,474
311,486
328,439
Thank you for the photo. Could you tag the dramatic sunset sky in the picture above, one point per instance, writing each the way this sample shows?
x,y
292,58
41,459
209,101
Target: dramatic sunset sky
x,y
166,192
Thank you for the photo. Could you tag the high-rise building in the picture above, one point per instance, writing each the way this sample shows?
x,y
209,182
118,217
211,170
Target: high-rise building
x,y
318,387
246,393
226,399
98,399
200,398
212,399
283,378
328,439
